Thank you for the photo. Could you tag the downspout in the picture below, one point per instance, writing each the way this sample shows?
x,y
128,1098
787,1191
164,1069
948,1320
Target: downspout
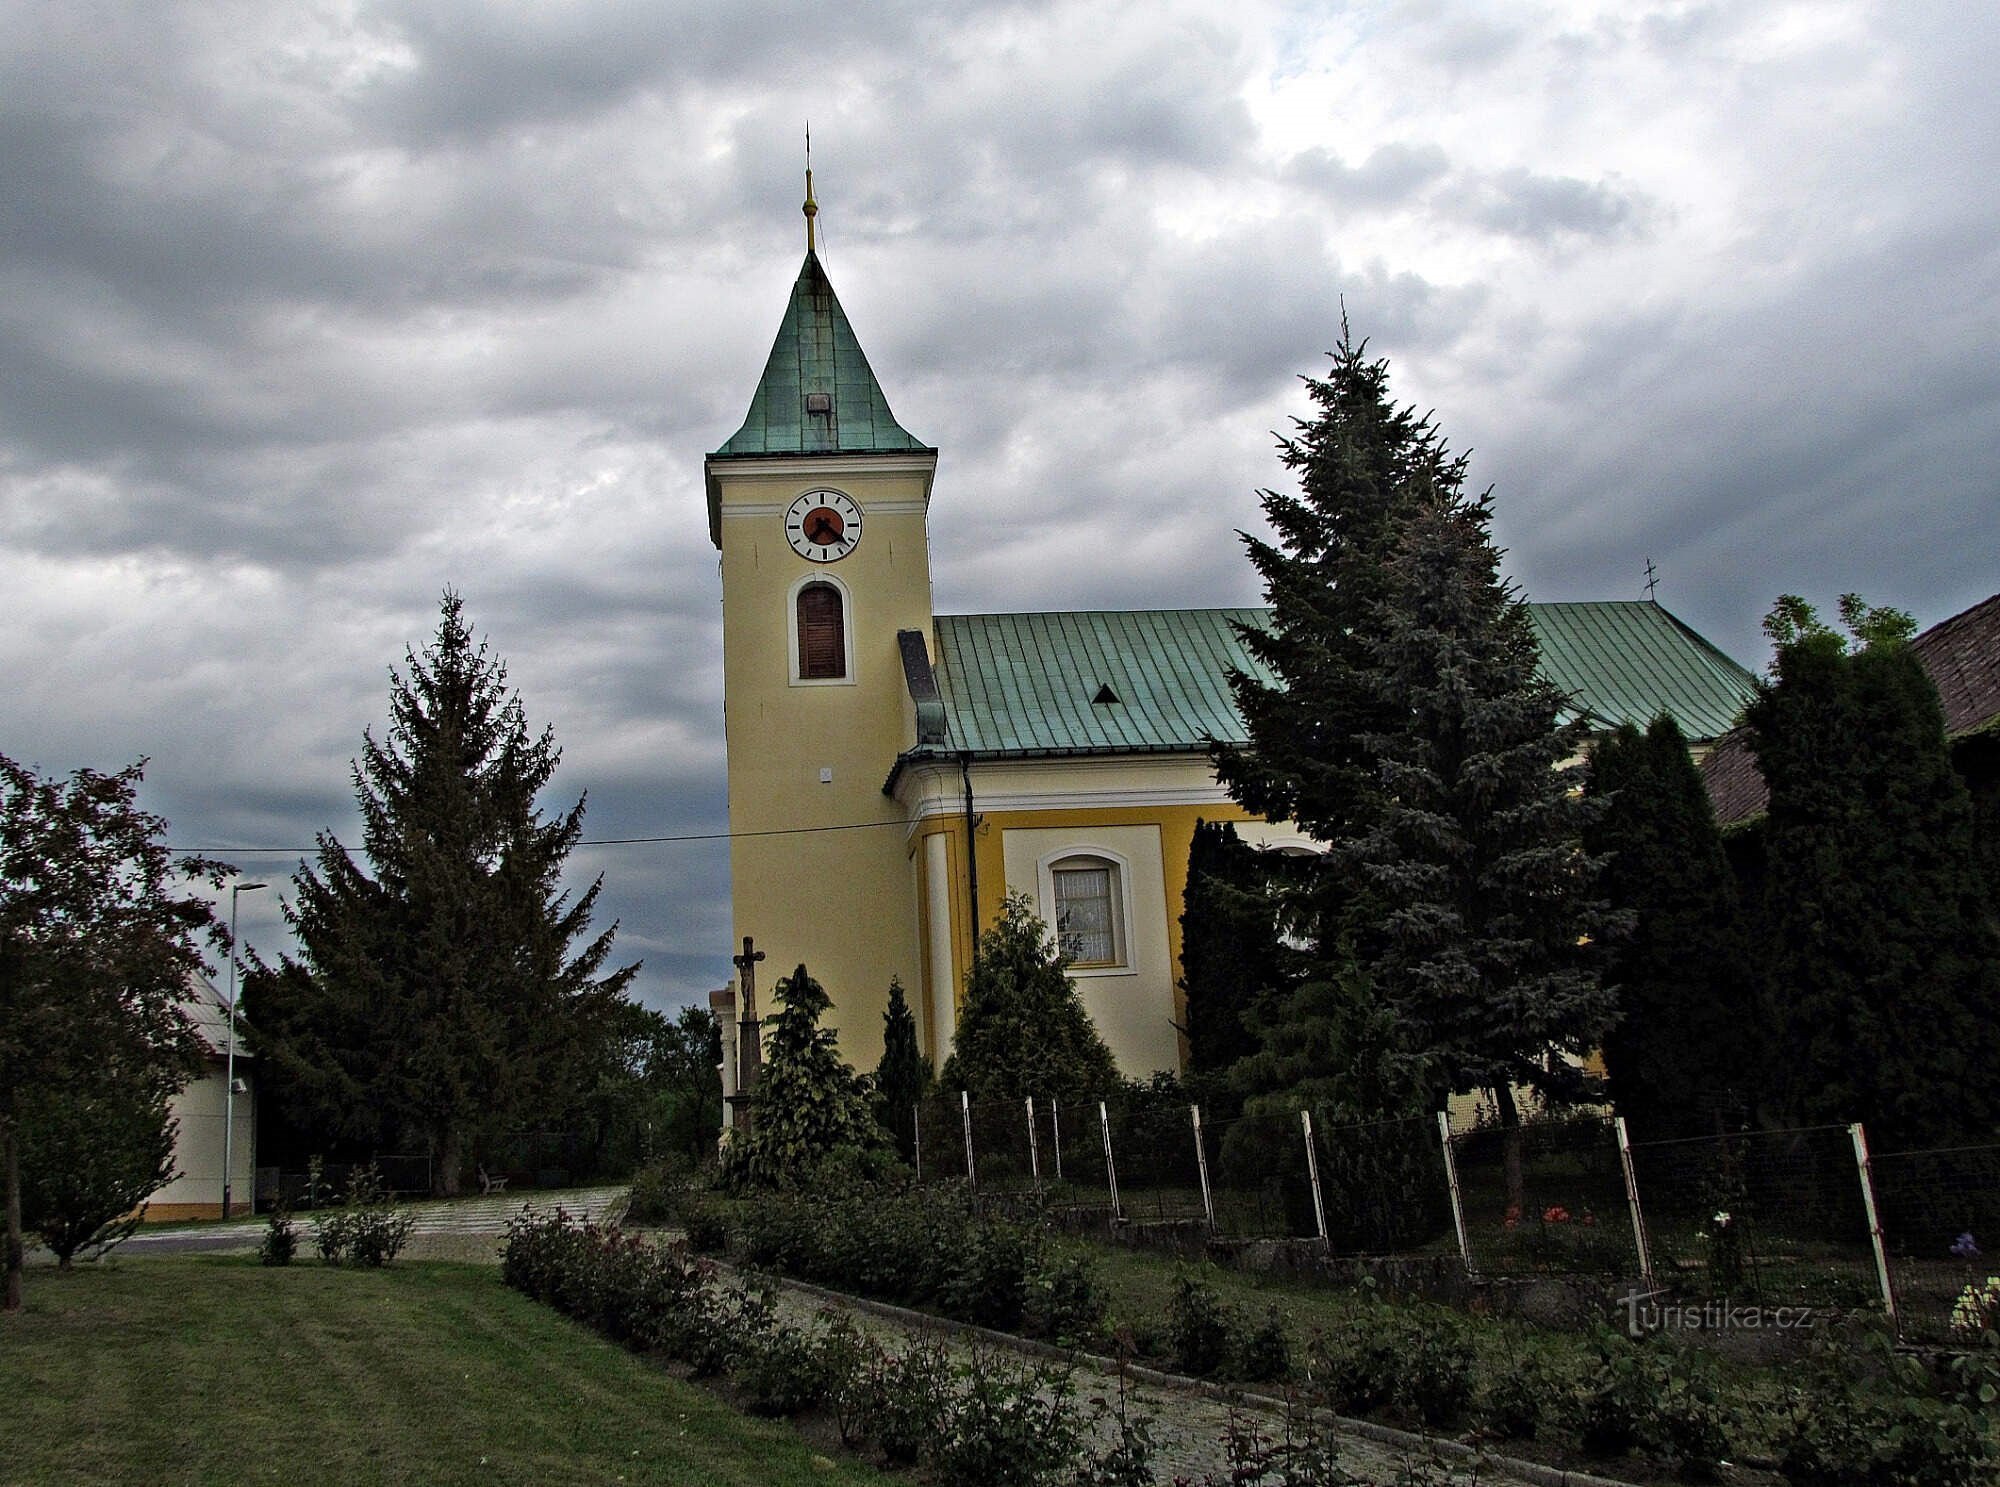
x,y
971,852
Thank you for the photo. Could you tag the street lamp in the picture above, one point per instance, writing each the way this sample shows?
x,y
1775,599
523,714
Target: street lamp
x,y
229,1079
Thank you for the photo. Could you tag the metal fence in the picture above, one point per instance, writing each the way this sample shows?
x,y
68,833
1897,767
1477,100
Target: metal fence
x,y
1759,1218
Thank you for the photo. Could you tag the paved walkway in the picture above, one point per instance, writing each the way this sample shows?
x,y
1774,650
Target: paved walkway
x,y
476,1217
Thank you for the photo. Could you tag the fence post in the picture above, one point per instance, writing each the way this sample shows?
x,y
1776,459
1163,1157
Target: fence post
x,y
1451,1181
1034,1146
1632,1201
965,1115
1201,1166
1312,1172
1110,1166
1874,1223
1055,1132
917,1137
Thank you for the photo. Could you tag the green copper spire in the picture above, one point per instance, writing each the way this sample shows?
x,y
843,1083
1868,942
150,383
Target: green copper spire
x,y
817,395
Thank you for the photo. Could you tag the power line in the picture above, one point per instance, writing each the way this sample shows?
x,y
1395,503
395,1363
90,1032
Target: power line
x,y
607,841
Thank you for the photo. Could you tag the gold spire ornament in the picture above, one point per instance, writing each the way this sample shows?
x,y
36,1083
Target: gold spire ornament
x,y
811,207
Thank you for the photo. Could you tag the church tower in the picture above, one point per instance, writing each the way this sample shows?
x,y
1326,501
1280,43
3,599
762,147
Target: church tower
x,y
818,505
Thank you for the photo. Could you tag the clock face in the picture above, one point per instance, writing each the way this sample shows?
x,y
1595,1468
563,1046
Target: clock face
x,y
823,526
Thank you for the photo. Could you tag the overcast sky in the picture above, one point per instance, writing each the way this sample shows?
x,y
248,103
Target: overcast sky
x,y
308,311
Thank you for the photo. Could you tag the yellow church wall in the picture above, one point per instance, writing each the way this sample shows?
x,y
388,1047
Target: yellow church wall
x,y
1030,809
805,755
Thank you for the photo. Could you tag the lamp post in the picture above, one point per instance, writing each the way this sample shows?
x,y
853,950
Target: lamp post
x,y
229,1078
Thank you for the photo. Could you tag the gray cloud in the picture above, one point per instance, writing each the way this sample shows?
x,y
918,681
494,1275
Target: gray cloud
x,y
308,311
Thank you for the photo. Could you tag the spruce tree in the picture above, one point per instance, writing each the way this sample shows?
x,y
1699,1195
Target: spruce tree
x,y
1485,895
904,1076
1883,965
1231,953
810,1102
1023,1030
1680,1060
435,999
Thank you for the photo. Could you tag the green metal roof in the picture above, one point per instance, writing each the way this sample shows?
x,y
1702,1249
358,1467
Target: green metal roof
x,y
816,352
1027,684
1627,661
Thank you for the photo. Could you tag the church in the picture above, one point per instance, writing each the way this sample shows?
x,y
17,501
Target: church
x,y
894,772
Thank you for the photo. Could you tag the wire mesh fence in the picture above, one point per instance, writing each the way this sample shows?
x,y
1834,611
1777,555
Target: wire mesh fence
x,y
1259,1180
1767,1218
1546,1197
1760,1218
1939,1210
1385,1187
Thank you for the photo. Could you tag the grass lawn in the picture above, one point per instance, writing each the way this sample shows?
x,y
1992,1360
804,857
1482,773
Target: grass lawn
x,y
213,1369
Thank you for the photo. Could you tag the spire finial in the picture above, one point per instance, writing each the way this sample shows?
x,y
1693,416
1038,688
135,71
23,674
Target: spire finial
x,y
811,207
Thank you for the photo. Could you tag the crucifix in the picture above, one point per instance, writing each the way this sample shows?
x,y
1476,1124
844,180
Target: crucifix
x,y
749,1043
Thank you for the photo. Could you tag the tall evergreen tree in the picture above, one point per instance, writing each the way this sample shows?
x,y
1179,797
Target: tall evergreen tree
x,y
1023,1030
1680,1059
1232,955
1883,964
1475,857
810,1103
436,999
904,1075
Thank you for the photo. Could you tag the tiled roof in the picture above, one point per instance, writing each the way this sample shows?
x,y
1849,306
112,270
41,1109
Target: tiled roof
x,y
1128,681
1962,655
817,356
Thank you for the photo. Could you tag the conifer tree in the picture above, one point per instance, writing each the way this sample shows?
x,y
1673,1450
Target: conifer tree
x,y
904,1076
1475,856
1023,1030
435,999
1231,953
1679,1060
1882,962
810,1102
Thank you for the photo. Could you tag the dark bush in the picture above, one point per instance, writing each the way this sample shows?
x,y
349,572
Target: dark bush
x,y
1201,1330
1064,1303
1265,1352
281,1238
905,1401
1009,1426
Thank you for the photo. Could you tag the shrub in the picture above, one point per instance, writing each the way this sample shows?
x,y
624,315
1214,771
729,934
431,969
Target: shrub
x,y
1009,1427
988,1286
1434,1382
705,1220
1356,1362
1613,1408
781,1371
1265,1353
1854,1423
659,1189
368,1230
281,1238
1518,1393
1201,1330
1064,1303
905,1398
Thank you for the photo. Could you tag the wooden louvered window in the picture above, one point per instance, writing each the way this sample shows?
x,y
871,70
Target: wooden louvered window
x,y
822,634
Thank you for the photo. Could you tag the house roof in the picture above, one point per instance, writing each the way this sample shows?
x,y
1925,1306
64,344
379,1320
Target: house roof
x,y
1962,655
1150,681
816,355
208,1010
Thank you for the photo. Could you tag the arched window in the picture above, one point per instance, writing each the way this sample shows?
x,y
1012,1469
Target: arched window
x,y
1089,910
822,624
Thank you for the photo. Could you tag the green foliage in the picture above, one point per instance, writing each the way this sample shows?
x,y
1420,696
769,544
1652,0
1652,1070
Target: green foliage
x,y
907,1397
368,1231
1883,955
1200,1328
904,1076
1650,1397
1408,728
1683,1055
1022,1030
1011,1425
810,1104
435,999
1231,955
660,1189
1868,1417
652,1093
91,1154
281,1238
98,949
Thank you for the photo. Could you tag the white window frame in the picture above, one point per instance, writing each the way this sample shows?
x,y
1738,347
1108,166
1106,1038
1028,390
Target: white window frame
x,y
1089,854
846,629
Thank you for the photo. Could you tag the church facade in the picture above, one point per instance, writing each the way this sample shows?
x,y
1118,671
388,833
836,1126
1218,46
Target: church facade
x,y
895,772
